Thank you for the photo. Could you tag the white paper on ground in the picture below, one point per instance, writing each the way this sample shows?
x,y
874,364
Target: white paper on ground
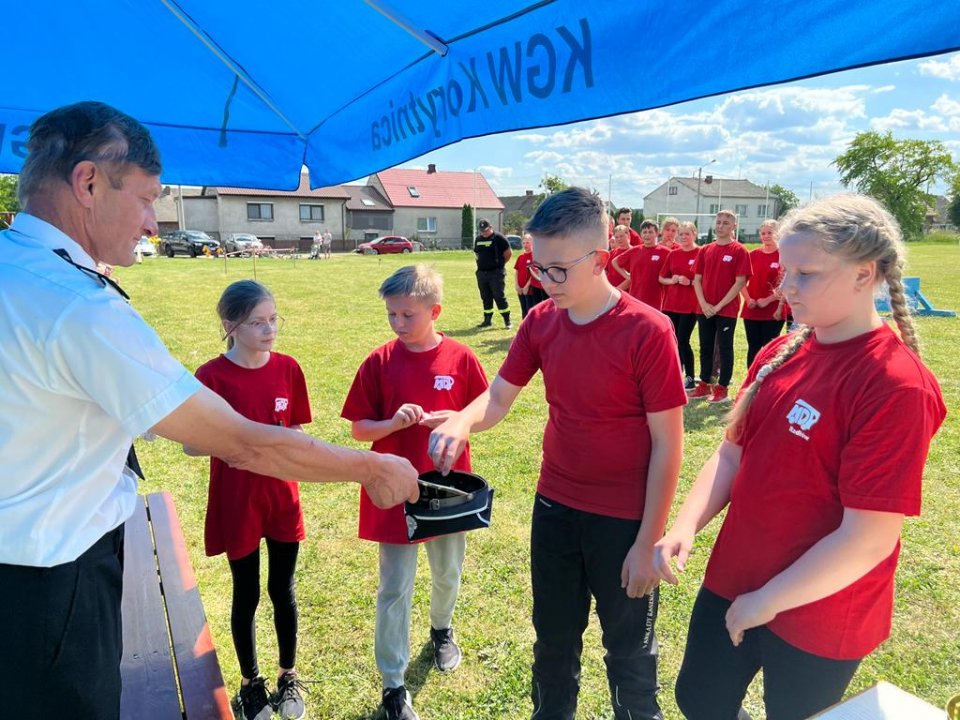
x,y
883,702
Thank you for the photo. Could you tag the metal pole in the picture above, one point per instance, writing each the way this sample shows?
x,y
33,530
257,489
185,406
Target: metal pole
x,y
699,174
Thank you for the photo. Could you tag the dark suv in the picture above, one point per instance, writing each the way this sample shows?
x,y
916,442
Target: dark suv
x,y
189,242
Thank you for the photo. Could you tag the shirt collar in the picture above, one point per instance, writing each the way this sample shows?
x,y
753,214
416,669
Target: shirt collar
x,y
30,229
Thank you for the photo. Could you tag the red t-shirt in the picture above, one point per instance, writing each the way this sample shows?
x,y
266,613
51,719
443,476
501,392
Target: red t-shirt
x,y
719,266
644,263
764,279
845,425
522,266
242,506
613,275
448,377
680,298
601,380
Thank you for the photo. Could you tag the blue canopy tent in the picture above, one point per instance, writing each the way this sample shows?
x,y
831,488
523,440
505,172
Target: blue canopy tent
x,y
244,93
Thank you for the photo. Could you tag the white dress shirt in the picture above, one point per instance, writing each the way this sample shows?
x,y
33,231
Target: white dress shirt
x,y
81,375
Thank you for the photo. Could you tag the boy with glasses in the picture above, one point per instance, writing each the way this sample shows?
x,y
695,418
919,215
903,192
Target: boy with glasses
x,y
611,457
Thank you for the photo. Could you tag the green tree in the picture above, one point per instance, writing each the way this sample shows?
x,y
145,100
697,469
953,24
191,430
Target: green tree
x,y
548,186
466,227
514,222
953,210
786,199
897,173
8,196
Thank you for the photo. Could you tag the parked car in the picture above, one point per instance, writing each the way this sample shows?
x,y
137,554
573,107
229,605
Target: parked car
x,y
189,242
384,245
145,247
243,243
516,242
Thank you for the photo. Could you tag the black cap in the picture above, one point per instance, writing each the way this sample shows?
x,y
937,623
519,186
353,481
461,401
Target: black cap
x,y
483,224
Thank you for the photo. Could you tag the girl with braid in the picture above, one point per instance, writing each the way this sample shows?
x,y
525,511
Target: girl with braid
x,y
800,579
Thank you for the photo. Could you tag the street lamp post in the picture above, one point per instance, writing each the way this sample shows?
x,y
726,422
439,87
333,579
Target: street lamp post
x,y
699,175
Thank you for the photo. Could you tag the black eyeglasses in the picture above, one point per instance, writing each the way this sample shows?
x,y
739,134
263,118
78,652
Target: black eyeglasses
x,y
556,273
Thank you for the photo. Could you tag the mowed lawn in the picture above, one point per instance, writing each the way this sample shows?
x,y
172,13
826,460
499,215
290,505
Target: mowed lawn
x,y
333,319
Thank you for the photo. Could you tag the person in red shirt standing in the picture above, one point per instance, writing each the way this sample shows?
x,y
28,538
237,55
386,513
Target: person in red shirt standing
x,y
611,457
668,233
529,290
243,507
640,266
800,581
625,218
761,296
722,270
620,244
401,390
679,300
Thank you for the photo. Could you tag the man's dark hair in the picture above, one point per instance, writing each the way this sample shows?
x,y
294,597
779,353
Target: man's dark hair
x,y
569,212
621,211
86,130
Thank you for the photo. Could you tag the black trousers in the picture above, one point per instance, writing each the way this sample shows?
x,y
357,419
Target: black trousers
x,y
717,329
60,635
714,677
573,555
281,587
759,333
683,324
491,284
534,297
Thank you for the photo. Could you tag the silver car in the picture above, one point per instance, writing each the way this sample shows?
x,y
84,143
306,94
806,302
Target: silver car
x,y
242,244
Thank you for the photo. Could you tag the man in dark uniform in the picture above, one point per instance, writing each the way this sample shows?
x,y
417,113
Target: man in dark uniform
x,y
493,252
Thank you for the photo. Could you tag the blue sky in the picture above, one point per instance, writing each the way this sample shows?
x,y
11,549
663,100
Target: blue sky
x,y
787,134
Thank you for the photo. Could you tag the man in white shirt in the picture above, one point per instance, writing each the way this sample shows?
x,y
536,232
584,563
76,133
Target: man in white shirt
x,y
81,375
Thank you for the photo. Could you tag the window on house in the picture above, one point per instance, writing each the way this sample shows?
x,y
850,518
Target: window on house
x,y
714,208
672,190
427,224
413,191
761,211
741,210
367,202
260,211
311,213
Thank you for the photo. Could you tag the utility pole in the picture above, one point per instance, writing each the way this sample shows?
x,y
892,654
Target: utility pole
x,y
699,175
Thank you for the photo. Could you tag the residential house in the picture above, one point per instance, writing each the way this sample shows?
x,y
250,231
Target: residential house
x,y
518,206
678,197
428,204
369,215
281,219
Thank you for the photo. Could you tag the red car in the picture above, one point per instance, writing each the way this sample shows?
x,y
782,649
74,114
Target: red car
x,y
384,245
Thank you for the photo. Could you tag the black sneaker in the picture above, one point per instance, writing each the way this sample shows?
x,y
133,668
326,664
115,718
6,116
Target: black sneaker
x,y
252,702
396,704
689,384
446,654
288,701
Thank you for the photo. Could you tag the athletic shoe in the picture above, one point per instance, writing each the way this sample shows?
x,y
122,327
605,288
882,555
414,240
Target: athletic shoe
x,y
689,384
487,321
702,390
719,395
288,701
252,702
446,654
396,704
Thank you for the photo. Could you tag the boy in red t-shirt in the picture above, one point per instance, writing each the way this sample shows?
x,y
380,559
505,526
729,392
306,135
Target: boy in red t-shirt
x,y
620,244
611,457
679,300
640,266
722,270
529,290
816,476
401,390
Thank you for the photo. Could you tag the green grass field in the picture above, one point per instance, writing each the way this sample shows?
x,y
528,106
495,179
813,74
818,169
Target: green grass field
x,y
333,319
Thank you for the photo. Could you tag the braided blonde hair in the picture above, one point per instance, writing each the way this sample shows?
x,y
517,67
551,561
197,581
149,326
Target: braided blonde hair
x,y
858,229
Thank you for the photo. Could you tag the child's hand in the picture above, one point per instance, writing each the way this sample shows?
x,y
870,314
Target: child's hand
x,y
436,418
748,611
447,442
751,303
638,576
778,313
406,415
709,310
683,280
675,544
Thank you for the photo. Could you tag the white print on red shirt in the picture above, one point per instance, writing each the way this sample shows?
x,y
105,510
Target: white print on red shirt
x,y
442,382
280,404
804,416
728,258
654,258
774,265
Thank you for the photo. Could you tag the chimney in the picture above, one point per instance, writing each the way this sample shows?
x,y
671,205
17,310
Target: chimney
x,y
431,169
529,193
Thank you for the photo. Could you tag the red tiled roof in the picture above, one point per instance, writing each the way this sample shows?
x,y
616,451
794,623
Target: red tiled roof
x,y
439,189
334,191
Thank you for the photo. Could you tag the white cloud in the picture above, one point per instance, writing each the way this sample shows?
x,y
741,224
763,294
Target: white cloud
x,y
948,70
900,118
495,171
945,105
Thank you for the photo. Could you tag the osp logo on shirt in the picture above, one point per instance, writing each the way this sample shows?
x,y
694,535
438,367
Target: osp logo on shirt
x,y
728,258
804,416
280,404
654,258
442,382
774,265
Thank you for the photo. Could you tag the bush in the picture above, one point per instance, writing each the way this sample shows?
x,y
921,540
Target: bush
x,y
950,237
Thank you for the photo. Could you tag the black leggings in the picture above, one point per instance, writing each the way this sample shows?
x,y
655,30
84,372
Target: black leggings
x,y
714,676
683,324
759,333
534,297
717,329
281,586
